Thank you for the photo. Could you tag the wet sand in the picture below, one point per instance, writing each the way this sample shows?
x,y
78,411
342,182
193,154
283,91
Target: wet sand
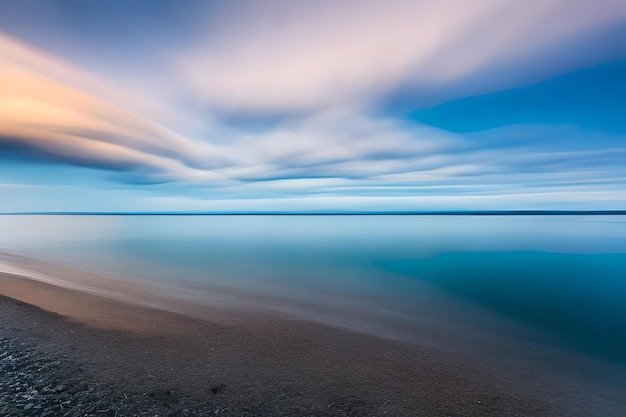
x,y
246,363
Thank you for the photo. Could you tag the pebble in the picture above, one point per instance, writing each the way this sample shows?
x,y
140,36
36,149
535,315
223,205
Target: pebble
x,y
35,383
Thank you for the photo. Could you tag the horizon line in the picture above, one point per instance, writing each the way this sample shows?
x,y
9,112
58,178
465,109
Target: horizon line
x,y
323,213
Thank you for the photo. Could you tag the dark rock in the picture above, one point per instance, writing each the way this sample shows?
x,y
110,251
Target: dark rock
x,y
218,389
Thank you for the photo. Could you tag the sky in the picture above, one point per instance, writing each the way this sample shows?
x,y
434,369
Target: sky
x,y
315,106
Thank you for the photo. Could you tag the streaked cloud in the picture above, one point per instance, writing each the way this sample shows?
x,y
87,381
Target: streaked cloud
x,y
45,115
300,105
284,56
42,111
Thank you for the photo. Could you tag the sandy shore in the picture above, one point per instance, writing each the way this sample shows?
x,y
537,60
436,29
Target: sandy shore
x,y
132,360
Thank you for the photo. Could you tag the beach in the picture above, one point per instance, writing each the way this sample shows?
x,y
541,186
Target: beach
x,y
133,360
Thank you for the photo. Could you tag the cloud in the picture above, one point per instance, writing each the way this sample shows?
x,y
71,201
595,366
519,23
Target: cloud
x,y
283,56
311,75
43,113
53,110
574,199
328,144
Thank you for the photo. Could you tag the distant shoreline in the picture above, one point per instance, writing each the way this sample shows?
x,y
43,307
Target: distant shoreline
x,y
373,213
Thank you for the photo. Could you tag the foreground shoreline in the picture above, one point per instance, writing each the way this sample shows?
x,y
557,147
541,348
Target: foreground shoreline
x,y
143,361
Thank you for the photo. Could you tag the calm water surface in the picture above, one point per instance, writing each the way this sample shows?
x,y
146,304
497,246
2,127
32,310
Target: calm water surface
x,y
545,295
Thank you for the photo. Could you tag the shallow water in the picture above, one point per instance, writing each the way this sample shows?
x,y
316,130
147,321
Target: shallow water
x,y
543,295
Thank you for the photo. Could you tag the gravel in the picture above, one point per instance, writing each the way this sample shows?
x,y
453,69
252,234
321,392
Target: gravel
x,y
37,383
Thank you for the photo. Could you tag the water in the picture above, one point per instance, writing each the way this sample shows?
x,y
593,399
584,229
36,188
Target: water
x,y
542,296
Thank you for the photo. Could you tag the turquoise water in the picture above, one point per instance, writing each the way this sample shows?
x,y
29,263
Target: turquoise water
x,y
580,298
545,294
565,275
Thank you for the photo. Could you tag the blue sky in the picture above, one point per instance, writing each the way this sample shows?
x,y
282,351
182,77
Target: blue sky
x,y
312,106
